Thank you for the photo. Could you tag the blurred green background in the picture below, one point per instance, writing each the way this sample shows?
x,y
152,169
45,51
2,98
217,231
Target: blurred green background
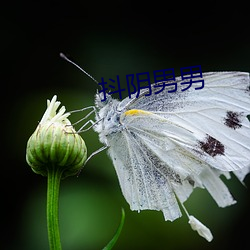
x,y
107,39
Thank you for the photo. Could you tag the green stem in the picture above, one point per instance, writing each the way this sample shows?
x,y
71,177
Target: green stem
x,y
117,234
54,177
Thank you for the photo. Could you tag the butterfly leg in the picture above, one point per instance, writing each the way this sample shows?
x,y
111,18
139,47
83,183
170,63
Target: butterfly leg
x,y
82,128
86,116
94,153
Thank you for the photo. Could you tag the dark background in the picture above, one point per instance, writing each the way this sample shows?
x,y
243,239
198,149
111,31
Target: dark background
x,y
107,39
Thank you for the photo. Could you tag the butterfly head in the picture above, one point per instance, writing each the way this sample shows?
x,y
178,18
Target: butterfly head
x,y
101,100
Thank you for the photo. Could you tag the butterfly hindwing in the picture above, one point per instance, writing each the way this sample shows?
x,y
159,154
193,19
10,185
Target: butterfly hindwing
x,y
142,184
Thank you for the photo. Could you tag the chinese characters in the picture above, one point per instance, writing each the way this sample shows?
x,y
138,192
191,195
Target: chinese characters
x,y
165,77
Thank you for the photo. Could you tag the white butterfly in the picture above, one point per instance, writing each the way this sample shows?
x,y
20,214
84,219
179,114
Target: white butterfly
x,y
166,144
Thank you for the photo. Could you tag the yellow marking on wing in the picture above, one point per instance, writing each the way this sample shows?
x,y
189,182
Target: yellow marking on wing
x,y
137,112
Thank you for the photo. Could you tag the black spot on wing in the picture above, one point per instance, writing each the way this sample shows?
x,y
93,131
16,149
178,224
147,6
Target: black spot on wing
x,y
233,119
212,146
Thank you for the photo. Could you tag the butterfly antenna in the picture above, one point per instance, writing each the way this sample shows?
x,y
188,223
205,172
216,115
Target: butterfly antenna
x,y
68,60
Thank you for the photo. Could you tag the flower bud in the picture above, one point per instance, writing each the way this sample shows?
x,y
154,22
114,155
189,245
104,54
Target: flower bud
x,y
55,144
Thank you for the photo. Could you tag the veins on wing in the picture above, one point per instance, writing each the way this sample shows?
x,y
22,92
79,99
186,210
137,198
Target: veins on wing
x,y
160,170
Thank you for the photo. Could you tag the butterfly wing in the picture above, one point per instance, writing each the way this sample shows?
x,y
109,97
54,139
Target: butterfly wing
x,y
163,164
177,141
141,183
216,115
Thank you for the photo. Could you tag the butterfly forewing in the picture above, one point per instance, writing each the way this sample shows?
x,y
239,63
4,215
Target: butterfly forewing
x,y
215,115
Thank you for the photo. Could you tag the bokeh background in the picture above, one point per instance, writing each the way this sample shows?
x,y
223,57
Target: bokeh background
x,y
107,39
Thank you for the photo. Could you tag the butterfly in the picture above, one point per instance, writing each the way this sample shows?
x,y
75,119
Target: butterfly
x,y
164,146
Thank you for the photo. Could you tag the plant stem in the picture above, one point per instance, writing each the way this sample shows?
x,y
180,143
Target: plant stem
x,y
54,177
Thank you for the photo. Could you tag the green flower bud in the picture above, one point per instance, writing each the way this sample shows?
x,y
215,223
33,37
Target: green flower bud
x,y
55,144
